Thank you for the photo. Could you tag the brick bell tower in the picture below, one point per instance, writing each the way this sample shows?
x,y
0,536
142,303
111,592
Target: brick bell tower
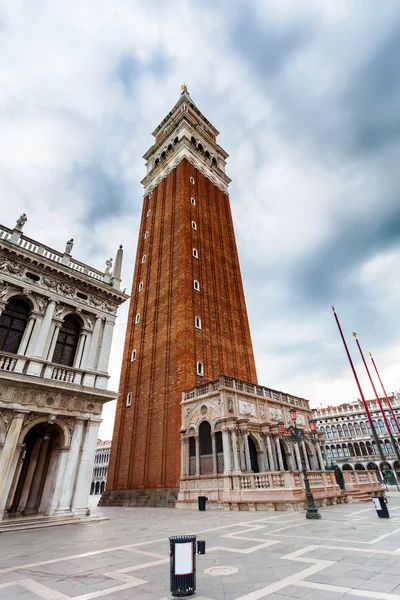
x,y
187,320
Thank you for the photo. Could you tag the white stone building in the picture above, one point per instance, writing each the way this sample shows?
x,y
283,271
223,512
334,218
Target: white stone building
x,y
232,451
57,317
348,438
100,467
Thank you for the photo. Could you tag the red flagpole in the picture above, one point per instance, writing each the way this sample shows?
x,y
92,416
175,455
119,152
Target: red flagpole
x,y
376,439
373,386
386,396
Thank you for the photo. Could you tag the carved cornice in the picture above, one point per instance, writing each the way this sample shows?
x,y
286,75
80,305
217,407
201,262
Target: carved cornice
x,y
57,281
53,286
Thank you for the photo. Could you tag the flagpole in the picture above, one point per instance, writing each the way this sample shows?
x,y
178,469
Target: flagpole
x,y
386,396
393,441
374,434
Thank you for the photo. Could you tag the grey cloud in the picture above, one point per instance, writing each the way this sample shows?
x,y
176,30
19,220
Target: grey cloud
x,y
373,97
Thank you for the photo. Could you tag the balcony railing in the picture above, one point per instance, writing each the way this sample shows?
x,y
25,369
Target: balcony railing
x,y
244,387
20,364
51,254
8,362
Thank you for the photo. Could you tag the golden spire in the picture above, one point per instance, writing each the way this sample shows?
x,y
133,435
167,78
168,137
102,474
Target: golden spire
x,y
354,334
370,353
184,88
333,308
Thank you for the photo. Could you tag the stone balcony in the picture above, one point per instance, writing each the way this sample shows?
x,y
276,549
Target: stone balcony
x,y
15,363
243,387
273,490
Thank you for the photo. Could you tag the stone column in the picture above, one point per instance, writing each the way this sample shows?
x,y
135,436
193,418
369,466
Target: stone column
x,y
44,330
80,502
214,453
71,468
266,466
236,464
246,449
79,350
271,458
7,456
33,500
27,334
320,457
34,367
303,446
227,451
279,451
184,462
197,442
49,480
94,344
54,338
298,456
105,347
16,469
29,476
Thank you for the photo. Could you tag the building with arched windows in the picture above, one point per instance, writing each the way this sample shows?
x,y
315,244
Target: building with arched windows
x,y
56,323
232,451
100,467
348,438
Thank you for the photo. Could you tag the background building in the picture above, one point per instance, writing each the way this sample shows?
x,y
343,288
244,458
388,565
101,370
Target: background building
x,y
100,467
348,440
56,324
187,321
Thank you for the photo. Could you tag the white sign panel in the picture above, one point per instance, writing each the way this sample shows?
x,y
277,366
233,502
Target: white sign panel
x,y
377,503
184,558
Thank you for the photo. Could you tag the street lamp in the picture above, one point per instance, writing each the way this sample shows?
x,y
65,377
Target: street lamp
x,y
297,435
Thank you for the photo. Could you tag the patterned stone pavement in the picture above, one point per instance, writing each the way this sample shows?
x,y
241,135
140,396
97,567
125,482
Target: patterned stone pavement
x,y
349,553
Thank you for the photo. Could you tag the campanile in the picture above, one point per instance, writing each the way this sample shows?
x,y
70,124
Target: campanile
x,y
187,320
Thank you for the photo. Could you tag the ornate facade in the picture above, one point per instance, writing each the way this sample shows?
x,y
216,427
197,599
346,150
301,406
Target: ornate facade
x,y
56,324
232,452
348,439
187,321
100,467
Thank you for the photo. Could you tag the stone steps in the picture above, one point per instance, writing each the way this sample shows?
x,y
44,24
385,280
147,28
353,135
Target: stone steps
x,y
25,523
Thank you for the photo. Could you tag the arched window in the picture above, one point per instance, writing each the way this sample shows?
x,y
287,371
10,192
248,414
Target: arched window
x,y
363,428
369,449
67,342
328,432
345,430
322,430
200,369
363,449
357,449
334,431
389,447
346,450
206,463
351,450
334,451
357,429
13,321
351,429
340,431
382,428
340,451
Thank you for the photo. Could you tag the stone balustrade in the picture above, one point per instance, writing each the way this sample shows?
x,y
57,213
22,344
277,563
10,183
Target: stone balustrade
x,y
19,364
243,387
274,490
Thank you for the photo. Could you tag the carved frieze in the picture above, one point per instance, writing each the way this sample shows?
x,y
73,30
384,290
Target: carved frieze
x,y
11,266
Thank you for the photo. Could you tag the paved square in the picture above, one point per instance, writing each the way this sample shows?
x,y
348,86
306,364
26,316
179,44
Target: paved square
x,y
349,553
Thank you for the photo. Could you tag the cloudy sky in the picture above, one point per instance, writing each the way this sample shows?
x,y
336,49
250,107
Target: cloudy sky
x,y
306,95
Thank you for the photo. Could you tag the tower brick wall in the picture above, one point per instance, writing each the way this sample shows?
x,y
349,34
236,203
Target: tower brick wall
x,y
146,444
